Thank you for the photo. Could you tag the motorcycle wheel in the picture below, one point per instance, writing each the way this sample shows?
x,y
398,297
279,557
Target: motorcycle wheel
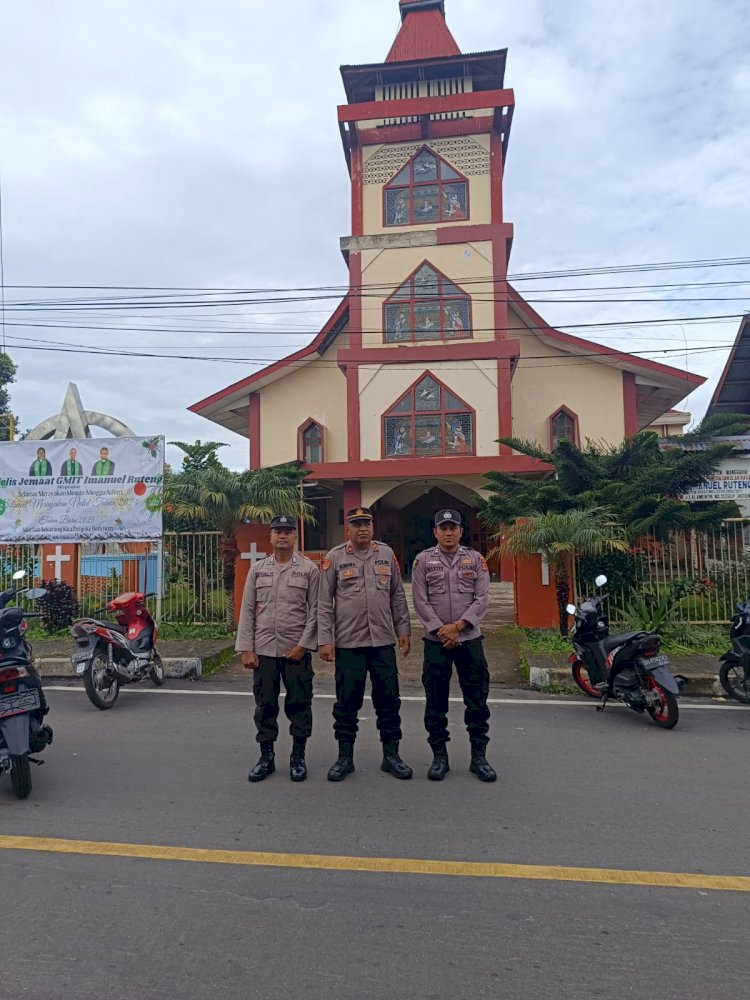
x,y
582,679
156,673
666,714
94,680
20,776
732,680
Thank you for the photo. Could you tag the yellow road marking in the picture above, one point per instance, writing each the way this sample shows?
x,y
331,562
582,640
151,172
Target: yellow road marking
x,y
401,866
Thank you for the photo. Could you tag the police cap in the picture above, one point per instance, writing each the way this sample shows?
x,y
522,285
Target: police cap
x,y
359,514
284,521
448,517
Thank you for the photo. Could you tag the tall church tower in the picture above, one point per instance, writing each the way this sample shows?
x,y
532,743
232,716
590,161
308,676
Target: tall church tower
x,y
425,136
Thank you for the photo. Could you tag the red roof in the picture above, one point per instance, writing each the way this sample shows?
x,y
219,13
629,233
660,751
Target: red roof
x,y
423,34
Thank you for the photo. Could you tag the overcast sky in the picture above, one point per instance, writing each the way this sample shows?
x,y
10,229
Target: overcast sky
x,y
194,144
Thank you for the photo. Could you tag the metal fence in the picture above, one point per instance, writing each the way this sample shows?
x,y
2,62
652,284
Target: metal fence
x,y
185,571
706,572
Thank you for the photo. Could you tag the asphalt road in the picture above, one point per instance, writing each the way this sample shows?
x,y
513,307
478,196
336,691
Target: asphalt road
x,y
576,788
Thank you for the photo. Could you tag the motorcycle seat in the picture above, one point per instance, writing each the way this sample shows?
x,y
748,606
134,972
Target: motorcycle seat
x,y
613,641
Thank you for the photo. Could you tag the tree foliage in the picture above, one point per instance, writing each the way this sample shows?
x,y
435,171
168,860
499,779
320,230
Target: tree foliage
x,y
8,372
640,481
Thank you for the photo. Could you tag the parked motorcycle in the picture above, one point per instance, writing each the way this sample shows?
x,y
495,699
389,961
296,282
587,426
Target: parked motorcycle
x,y
626,667
734,673
110,654
22,705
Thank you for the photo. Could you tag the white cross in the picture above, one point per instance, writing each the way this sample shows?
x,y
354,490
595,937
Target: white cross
x,y
58,559
253,555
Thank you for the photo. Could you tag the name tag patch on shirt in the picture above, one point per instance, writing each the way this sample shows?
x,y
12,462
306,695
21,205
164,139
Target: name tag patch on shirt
x,y
383,570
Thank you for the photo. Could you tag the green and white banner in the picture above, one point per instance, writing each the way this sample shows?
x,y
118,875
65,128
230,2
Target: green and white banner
x,y
94,489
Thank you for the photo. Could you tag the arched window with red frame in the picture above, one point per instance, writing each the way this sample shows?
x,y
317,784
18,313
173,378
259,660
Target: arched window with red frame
x,y
563,426
310,449
428,419
428,306
426,190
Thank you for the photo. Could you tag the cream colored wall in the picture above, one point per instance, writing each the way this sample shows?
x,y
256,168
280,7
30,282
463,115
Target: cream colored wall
x,y
461,263
480,196
380,386
551,378
405,491
319,391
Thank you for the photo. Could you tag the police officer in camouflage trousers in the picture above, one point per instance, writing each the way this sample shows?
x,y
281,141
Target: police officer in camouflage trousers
x,y
450,589
277,630
362,613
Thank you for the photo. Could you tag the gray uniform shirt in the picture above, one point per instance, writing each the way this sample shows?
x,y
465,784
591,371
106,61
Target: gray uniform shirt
x,y
362,600
279,607
447,588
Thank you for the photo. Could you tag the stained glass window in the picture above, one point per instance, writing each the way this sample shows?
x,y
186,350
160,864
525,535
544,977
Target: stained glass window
x,y
428,420
427,189
312,444
427,307
563,427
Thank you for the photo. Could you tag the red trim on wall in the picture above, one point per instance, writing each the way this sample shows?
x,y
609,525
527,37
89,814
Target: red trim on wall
x,y
357,189
436,129
306,352
630,403
413,107
352,412
254,429
427,468
496,176
355,299
482,232
352,495
460,350
504,404
573,416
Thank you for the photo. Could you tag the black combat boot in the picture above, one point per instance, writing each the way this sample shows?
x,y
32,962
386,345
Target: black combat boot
x,y
479,763
265,765
393,764
439,766
345,763
297,766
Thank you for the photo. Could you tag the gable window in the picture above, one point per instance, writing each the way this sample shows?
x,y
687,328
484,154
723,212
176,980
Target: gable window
x,y
310,448
427,189
563,426
428,420
427,307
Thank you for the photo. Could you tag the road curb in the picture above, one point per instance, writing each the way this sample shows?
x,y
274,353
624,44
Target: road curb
x,y
178,668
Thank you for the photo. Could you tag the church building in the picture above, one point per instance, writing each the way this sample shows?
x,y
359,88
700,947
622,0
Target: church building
x,y
432,355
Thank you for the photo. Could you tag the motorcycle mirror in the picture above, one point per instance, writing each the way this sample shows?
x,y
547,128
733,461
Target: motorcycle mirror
x,y
19,574
34,593
600,580
571,609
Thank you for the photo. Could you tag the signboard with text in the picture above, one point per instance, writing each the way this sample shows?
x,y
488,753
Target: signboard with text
x,y
94,489
730,482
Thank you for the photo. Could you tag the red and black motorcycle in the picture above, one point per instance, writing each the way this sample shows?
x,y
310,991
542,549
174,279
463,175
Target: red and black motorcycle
x,y
110,654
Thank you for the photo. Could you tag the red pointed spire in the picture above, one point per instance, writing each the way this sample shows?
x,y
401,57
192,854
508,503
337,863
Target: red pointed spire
x,y
423,33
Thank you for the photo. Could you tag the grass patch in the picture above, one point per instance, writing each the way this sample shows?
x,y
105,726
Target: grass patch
x,y
212,664
677,638
546,641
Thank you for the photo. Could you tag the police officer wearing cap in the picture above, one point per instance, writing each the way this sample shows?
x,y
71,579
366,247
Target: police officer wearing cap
x,y
277,631
450,589
362,614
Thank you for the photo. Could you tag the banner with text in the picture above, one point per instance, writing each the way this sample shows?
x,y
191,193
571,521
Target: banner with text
x,y
730,482
94,489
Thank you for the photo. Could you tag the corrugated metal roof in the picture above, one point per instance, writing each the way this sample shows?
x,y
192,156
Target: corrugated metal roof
x,y
423,35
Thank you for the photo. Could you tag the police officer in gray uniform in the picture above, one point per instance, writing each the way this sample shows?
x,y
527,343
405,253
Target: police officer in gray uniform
x,y
278,628
362,613
450,589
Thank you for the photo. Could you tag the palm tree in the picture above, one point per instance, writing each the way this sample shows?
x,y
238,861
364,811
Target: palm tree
x,y
560,537
222,499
